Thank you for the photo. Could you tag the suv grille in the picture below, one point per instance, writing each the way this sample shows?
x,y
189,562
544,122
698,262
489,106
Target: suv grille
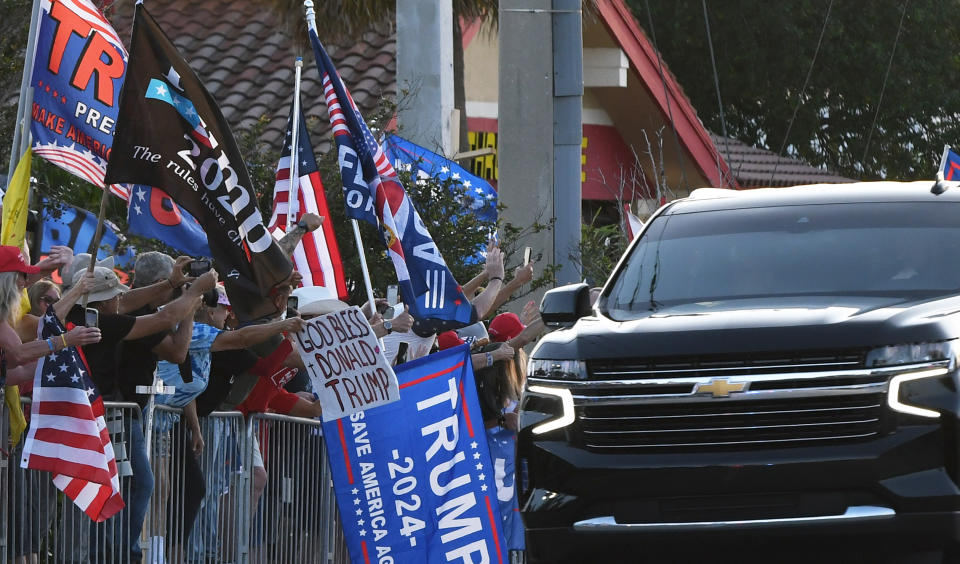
x,y
790,399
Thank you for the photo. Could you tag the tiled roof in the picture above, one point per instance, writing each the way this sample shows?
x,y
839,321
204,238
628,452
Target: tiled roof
x,y
245,57
753,167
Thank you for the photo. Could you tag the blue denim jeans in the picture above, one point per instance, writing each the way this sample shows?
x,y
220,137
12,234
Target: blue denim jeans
x,y
140,490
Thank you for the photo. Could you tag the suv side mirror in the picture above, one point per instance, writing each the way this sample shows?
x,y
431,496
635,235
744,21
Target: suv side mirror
x,y
563,306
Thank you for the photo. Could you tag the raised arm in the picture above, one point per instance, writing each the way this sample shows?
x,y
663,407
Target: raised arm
x,y
160,290
494,269
521,276
175,311
253,334
307,223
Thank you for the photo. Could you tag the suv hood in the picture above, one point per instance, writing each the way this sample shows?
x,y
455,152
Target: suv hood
x,y
759,325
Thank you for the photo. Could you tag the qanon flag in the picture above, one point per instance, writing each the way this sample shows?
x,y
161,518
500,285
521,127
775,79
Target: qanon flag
x,y
372,192
153,214
171,135
77,73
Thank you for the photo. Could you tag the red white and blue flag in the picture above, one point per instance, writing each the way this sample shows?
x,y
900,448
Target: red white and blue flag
x,y
372,192
68,435
317,257
78,70
950,165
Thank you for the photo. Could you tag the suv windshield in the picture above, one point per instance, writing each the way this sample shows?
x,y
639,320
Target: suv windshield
x,y
896,249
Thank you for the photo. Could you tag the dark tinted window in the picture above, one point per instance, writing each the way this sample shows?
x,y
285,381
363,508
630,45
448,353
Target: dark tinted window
x,y
837,249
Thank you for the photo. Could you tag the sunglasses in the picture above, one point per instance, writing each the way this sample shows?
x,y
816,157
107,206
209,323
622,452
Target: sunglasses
x,y
49,299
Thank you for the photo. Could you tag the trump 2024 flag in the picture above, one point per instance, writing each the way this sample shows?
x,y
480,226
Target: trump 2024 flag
x,y
171,135
414,480
372,192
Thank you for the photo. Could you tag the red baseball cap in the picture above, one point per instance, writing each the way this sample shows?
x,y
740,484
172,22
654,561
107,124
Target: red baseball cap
x,y
11,260
505,327
448,340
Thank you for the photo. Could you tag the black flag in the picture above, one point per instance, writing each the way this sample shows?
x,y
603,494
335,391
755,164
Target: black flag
x,y
170,134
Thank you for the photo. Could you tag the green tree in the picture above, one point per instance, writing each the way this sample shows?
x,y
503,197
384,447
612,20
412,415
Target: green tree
x,y
764,51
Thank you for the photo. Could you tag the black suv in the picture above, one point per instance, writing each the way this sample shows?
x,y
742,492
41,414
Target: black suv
x,y
766,364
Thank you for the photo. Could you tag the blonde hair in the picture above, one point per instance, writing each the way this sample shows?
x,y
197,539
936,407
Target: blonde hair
x,y
9,297
39,289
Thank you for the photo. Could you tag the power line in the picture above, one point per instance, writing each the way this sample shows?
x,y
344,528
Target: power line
x,y
876,114
716,84
800,93
666,95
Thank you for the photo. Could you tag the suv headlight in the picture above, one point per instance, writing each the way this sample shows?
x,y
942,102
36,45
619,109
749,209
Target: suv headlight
x,y
909,354
557,369
902,390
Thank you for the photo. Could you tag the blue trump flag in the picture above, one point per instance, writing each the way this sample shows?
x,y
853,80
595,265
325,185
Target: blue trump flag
x,y
372,193
75,228
413,479
950,165
153,214
423,163
77,74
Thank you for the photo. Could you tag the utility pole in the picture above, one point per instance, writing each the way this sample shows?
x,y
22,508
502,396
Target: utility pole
x,y
540,125
425,73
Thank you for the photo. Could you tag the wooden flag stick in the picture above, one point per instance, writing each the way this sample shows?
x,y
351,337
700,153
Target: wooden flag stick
x,y
98,235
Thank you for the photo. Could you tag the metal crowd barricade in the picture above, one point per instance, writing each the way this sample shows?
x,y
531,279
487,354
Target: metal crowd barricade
x,y
39,524
295,517
200,504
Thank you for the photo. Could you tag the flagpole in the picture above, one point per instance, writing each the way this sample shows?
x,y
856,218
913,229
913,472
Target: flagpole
x,y
292,198
21,132
311,16
943,162
98,235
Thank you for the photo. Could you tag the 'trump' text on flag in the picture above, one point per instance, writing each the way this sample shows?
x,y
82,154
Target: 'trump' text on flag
x,y
78,70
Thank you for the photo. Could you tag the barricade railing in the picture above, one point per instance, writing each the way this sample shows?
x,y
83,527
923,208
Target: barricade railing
x,y
200,506
295,517
39,524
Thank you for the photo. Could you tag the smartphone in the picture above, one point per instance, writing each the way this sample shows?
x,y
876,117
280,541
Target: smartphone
x,y
392,294
91,317
526,256
198,267
293,302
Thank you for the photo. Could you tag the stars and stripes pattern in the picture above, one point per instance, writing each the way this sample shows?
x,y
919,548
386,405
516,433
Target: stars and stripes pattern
x,y
68,435
373,193
317,257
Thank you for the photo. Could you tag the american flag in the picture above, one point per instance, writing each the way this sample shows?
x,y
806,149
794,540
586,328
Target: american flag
x,y
68,435
373,193
317,257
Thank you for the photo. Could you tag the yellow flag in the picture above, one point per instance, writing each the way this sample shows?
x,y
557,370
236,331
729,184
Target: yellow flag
x,y
13,231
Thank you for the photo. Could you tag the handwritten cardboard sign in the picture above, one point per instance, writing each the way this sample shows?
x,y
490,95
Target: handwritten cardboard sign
x,y
346,364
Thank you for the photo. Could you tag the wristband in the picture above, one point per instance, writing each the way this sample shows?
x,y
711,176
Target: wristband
x,y
489,359
50,344
302,224
64,339
492,278
172,287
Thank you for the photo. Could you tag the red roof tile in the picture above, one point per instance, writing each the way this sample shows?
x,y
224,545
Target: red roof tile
x,y
245,57
755,167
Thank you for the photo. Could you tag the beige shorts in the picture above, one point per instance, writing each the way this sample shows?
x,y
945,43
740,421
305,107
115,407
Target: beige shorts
x,y
257,457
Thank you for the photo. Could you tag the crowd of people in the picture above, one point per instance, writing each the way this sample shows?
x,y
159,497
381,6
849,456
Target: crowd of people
x,y
175,325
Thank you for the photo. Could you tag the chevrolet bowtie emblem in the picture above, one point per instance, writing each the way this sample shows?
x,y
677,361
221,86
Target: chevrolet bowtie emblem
x,y
720,387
